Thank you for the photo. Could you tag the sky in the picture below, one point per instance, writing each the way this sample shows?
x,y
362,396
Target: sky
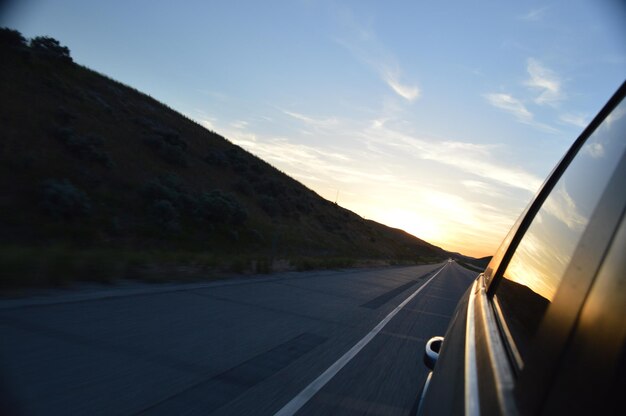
x,y
442,118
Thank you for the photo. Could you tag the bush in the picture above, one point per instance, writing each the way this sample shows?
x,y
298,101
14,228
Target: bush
x,y
169,187
218,207
173,138
165,214
238,159
11,37
84,147
169,152
161,188
51,47
63,200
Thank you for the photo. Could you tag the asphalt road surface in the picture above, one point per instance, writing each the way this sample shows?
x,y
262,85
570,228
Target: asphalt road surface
x,y
332,342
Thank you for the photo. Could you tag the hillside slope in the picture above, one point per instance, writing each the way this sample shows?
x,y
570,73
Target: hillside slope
x,y
87,163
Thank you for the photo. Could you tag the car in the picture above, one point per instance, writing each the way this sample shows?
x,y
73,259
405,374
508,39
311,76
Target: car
x,y
542,330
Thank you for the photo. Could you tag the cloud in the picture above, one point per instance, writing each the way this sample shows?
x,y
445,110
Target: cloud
x,y
239,124
546,81
615,116
407,92
479,187
534,15
311,121
471,158
382,141
377,166
517,108
578,120
594,149
563,207
365,46
207,123
511,105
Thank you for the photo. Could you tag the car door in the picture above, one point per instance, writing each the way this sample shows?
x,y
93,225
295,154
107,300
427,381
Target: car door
x,y
544,282
526,342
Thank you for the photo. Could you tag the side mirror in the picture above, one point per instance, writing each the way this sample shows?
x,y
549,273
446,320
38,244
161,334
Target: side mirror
x,y
431,351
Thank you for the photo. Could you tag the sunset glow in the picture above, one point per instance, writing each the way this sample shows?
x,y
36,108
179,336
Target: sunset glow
x,y
442,121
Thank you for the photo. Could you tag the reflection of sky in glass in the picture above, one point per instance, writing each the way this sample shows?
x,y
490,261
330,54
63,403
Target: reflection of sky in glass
x,y
547,247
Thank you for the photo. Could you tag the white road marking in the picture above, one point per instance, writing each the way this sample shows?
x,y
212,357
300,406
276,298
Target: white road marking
x,y
316,385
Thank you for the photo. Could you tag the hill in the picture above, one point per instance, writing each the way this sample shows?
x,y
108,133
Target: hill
x,y
100,179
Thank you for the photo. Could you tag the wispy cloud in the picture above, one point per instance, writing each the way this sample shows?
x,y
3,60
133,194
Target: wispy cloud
x,y
511,105
563,207
365,46
578,120
543,87
207,123
312,121
407,92
479,187
471,158
535,15
239,124
546,81
518,109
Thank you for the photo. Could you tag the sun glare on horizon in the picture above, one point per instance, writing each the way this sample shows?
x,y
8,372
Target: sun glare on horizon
x,y
446,137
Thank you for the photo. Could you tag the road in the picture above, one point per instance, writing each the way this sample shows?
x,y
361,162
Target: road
x,y
245,346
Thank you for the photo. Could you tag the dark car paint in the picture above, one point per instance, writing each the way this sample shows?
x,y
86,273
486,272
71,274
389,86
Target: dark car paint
x,y
591,368
445,393
577,362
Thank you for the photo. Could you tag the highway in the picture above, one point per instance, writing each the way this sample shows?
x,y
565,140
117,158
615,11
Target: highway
x,y
332,342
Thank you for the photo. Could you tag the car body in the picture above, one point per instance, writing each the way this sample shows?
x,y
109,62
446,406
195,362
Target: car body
x,y
542,330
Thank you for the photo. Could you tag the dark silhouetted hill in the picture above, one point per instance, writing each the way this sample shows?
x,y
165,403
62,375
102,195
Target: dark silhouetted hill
x,y
98,179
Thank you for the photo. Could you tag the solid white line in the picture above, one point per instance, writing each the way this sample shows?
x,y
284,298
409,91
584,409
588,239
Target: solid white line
x,y
309,391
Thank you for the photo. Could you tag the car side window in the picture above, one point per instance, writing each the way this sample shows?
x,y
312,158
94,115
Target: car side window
x,y
536,269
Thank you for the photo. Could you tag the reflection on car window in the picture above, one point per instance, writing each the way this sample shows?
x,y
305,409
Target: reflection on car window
x,y
535,271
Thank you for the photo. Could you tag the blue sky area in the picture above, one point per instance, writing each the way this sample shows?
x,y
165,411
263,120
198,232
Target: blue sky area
x,y
441,118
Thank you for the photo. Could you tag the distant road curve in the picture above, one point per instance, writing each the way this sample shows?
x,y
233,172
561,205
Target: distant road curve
x,y
331,342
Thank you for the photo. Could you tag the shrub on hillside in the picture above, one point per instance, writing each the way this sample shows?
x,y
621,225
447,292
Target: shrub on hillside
x,y
170,148
50,47
62,200
219,207
170,187
160,188
11,37
237,159
165,214
173,138
84,147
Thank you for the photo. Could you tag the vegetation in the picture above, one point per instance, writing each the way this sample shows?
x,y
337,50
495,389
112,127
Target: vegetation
x,y
51,47
62,200
101,181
